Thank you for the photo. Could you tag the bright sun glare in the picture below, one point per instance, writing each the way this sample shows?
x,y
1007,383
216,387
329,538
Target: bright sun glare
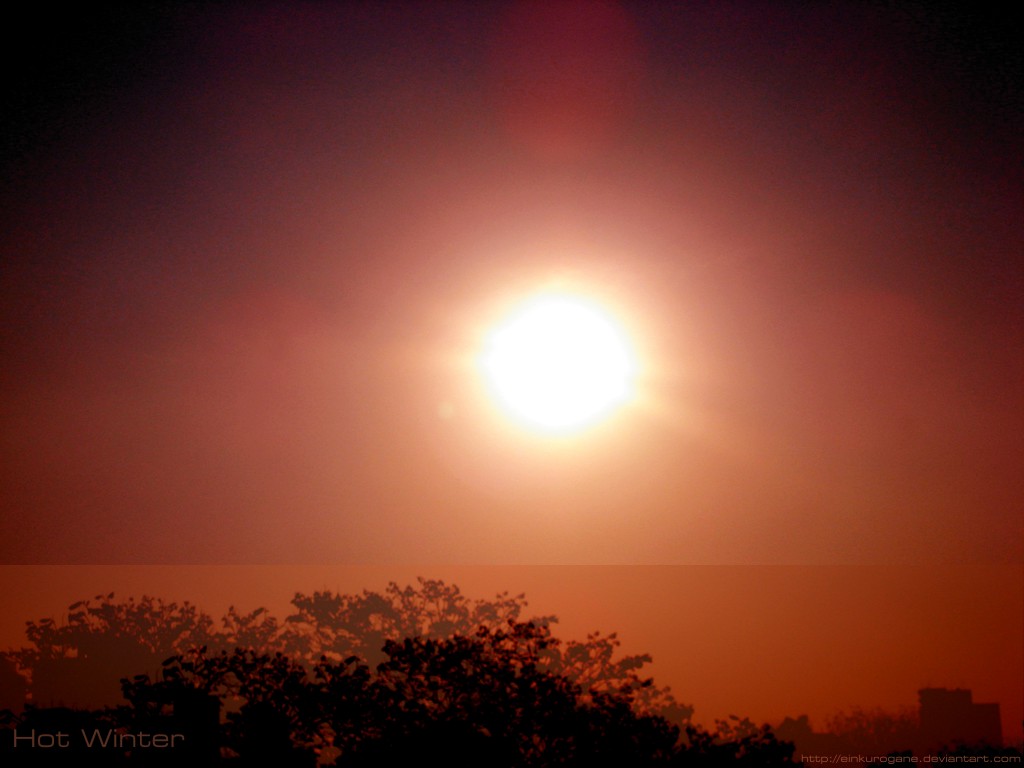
x,y
559,363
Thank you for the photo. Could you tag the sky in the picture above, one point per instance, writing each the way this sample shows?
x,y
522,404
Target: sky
x,y
249,253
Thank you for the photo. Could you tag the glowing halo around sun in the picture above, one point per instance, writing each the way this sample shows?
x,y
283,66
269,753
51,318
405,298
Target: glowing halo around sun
x,y
559,363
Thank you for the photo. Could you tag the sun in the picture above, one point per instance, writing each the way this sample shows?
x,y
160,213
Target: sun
x,y
559,363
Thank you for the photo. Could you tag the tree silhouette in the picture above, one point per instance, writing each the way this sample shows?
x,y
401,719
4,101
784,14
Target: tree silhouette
x,y
103,640
269,714
81,659
13,687
875,731
594,666
256,629
466,680
481,699
735,742
338,626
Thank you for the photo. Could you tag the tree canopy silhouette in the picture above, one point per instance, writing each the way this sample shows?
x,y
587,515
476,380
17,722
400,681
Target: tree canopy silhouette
x,y
80,659
490,698
378,678
103,639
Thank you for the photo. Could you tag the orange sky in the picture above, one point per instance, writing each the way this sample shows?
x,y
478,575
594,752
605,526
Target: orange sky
x,y
757,641
249,255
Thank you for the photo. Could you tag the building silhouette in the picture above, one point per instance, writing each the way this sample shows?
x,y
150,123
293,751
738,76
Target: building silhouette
x,y
950,717
947,719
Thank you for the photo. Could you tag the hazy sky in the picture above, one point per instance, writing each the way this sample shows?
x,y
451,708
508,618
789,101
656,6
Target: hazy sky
x,y
248,252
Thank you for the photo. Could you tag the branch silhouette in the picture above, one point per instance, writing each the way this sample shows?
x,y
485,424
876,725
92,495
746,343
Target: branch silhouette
x,y
373,678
